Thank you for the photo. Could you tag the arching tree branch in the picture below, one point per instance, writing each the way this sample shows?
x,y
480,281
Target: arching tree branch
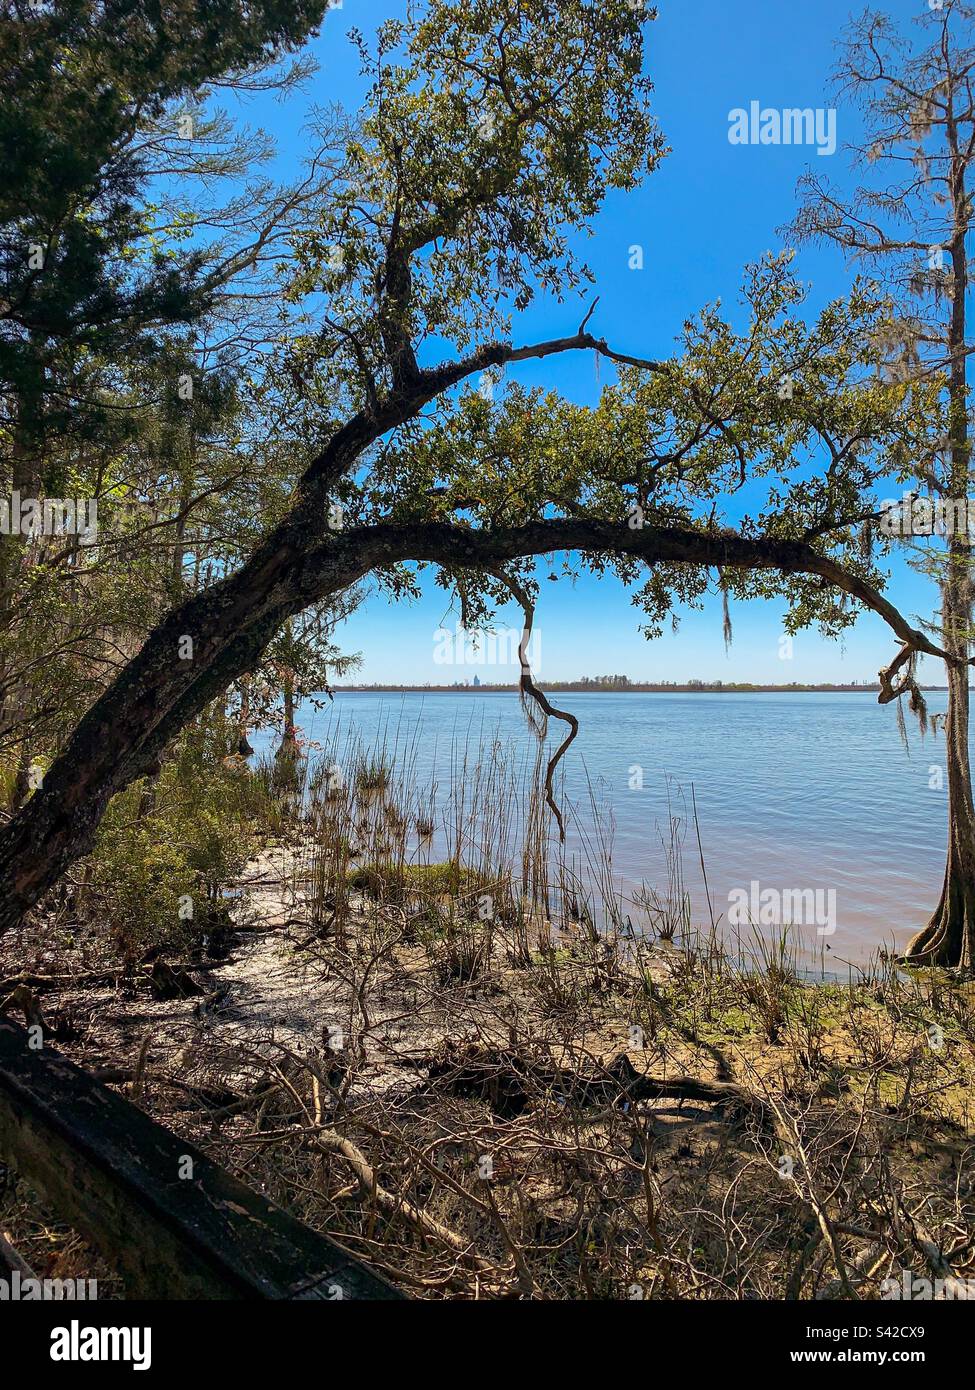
x,y
230,624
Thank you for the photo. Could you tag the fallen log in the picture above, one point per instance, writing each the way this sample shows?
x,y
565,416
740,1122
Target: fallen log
x,y
40,983
509,1081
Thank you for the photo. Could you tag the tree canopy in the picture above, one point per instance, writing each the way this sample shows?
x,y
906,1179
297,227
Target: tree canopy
x,y
487,137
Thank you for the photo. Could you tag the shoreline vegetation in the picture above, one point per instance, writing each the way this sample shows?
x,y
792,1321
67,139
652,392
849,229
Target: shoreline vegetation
x,y
411,1018
628,688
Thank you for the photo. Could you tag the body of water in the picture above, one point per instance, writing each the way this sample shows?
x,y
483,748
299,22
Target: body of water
x,y
811,797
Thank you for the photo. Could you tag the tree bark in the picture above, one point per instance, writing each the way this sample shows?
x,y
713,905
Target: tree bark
x,y
244,748
949,936
287,759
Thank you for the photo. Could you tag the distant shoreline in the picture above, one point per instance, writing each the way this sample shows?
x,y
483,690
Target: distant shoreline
x,y
576,688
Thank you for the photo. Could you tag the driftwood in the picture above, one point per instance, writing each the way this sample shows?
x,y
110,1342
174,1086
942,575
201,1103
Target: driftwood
x,y
39,983
162,976
330,1142
509,1081
219,1100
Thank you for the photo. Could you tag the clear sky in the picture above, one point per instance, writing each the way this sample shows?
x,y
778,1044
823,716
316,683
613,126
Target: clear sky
x,y
710,209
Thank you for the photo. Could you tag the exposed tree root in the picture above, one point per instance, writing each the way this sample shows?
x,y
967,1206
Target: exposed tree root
x,y
948,938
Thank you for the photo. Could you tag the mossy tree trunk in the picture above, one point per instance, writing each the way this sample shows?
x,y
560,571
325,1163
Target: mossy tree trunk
x,y
949,937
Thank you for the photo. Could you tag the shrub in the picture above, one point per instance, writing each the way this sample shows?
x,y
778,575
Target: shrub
x,y
170,848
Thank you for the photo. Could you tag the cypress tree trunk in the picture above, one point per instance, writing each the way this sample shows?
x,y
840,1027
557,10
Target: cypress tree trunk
x,y
287,760
244,748
16,556
949,936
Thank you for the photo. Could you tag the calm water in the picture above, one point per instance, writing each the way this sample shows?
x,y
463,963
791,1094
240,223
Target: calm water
x,y
796,792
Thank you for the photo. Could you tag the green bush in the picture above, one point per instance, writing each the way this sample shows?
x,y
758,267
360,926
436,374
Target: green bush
x,y
168,850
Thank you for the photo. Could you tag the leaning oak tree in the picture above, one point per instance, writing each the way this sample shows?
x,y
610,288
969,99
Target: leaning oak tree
x,y
493,136
489,136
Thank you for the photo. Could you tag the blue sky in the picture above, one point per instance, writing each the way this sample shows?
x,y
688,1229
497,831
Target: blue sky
x,y
710,209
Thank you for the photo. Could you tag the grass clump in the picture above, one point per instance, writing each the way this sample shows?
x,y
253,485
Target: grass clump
x,y
385,878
